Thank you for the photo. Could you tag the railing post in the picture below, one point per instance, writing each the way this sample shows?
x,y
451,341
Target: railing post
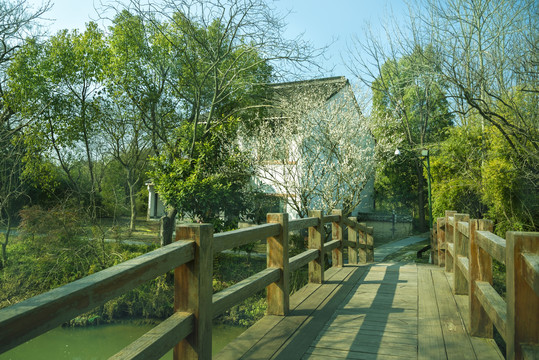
x,y
336,234
434,245
369,246
193,292
362,247
448,239
277,257
316,241
353,255
480,270
440,235
522,302
460,249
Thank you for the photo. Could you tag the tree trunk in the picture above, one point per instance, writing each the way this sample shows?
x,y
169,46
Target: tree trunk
x,y
167,227
133,203
3,264
421,195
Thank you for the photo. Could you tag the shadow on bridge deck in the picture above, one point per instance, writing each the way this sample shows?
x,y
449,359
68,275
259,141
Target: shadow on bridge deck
x,y
379,311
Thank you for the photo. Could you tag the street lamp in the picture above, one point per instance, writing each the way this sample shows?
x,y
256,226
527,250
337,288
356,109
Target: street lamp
x,y
424,154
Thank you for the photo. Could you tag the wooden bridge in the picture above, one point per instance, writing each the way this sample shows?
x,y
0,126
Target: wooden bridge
x,y
357,310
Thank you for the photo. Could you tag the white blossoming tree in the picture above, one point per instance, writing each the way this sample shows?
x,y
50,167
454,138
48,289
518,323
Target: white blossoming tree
x,y
315,149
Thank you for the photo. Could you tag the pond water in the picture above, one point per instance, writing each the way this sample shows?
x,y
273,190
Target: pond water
x,y
98,342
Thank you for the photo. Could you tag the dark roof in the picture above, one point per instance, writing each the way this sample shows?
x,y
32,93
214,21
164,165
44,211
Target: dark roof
x,y
327,87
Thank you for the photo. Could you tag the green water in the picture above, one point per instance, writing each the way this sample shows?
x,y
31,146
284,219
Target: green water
x,y
98,342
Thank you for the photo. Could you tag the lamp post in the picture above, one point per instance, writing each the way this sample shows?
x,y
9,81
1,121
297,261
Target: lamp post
x,y
425,154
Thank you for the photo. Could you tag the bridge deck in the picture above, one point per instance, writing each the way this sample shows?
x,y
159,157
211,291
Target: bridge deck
x,y
382,311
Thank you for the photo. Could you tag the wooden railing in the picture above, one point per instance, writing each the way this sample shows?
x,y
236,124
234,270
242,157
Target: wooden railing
x,y
466,248
189,329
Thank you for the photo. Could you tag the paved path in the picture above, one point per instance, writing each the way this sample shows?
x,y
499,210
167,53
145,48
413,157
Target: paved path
x,y
381,252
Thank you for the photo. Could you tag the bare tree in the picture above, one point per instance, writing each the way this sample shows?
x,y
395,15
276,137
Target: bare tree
x,y
403,73
489,58
317,150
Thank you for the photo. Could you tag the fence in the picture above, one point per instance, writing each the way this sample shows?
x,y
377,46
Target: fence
x,y
466,248
189,329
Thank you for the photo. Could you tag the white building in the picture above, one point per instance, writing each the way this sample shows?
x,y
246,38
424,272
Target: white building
x,y
156,208
295,165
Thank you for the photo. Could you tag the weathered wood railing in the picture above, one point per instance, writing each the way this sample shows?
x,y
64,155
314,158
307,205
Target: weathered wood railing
x,y
466,248
189,329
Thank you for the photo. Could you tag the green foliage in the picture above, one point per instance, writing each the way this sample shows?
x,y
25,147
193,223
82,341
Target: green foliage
x,y
411,97
456,172
476,172
511,196
206,181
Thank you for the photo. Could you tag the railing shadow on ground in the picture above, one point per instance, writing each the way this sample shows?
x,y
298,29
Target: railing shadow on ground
x,y
188,330
355,322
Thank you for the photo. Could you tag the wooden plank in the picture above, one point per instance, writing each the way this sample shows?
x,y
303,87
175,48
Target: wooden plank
x,y
231,239
530,351
299,224
483,348
331,218
278,292
372,329
193,292
298,343
492,244
370,246
440,234
449,254
457,342
531,271
463,228
300,323
315,353
303,259
480,270
376,325
350,222
460,249
159,340
225,299
450,248
352,244
430,337
337,235
329,246
405,351
356,321
493,305
317,235
522,302
464,265
39,314
243,343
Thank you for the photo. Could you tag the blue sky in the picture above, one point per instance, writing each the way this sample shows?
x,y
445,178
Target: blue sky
x,y
321,22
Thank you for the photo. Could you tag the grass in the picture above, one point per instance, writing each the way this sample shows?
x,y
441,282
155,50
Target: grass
x,y
145,231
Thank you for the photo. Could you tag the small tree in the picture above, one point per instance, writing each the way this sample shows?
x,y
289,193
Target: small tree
x,y
207,183
17,20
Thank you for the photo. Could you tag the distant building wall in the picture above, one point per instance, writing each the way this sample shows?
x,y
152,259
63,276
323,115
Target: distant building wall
x,y
156,208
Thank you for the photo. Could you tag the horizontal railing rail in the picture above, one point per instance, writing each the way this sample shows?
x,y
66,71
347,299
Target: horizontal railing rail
x,y
467,248
39,314
188,330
